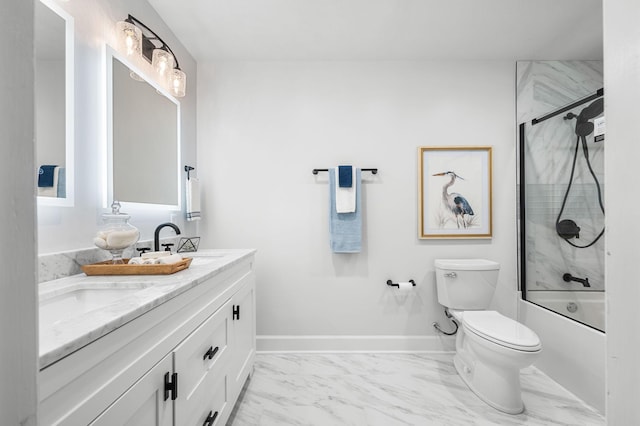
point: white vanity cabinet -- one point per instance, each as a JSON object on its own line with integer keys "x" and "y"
{"x": 182, "y": 363}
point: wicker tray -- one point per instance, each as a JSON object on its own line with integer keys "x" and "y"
{"x": 108, "y": 268}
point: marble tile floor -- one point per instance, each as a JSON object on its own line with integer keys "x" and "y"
{"x": 389, "y": 389}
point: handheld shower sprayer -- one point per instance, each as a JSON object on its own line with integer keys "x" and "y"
{"x": 566, "y": 228}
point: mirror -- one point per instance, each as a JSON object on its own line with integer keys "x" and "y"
{"x": 143, "y": 138}
{"x": 54, "y": 104}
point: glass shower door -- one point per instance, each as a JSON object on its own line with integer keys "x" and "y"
{"x": 562, "y": 211}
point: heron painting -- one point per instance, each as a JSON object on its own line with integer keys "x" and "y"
{"x": 454, "y": 202}
{"x": 453, "y": 206}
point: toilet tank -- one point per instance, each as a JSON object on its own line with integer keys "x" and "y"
{"x": 466, "y": 284}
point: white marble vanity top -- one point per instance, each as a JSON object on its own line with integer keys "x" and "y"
{"x": 141, "y": 293}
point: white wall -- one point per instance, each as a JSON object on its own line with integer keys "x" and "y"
{"x": 67, "y": 228}
{"x": 18, "y": 341}
{"x": 263, "y": 126}
{"x": 622, "y": 92}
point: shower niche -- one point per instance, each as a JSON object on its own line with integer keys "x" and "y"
{"x": 561, "y": 188}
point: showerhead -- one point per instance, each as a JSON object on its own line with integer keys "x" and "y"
{"x": 592, "y": 111}
{"x": 584, "y": 127}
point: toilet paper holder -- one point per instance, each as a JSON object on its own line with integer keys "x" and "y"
{"x": 392, "y": 284}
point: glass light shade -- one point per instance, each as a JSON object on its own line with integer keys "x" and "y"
{"x": 129, "y": 38}
{"x": 162, "y": 62}
{"x": 177, "y": 83}
{"x": 135, "y": 76}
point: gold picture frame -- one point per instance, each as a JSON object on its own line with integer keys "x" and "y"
{"x": 455, "y": 192}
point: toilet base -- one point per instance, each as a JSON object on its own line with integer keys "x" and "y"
{"x": 497, "y": 387}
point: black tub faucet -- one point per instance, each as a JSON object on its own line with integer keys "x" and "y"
{"x": 584, "y": 281}
{"x": 156, "y": 234}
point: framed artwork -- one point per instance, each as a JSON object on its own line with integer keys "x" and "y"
{"x": 454, "y": 192}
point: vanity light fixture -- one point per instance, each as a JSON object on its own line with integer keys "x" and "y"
{"x": 136, "y": 39}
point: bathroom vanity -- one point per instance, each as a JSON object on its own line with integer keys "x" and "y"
{"x": 172, "y": 349}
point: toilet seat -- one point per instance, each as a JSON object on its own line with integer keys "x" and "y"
{"x": 499, "y": 329}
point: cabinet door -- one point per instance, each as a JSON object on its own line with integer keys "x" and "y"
{"x": 199, "y": 359}
{"x": 143, "y": 404}
{"x": 243, "y": 326}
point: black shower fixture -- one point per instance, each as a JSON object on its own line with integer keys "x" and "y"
{"x": 568, "y": 229}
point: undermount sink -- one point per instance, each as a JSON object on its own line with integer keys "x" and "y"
{"x": 80, "y": 299}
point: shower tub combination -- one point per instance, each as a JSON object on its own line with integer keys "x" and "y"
{"x": 562, "y": 210}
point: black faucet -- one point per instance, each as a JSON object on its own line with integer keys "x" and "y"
{"x": 583, "y": 281}
{"x": 156, "y": 234}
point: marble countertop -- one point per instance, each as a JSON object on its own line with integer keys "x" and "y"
{"x": 59, "y": 338}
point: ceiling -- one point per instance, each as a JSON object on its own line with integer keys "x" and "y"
{"x": 386, "y": 29}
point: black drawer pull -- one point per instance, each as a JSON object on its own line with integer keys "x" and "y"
{"x": 235, "y": 313}
{"x": 210, "y": 419}
{"x": 210, "y": 353}
{"x": 170, "y": 386}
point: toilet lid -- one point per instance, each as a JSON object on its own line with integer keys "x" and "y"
{"x": 504, "y": 331}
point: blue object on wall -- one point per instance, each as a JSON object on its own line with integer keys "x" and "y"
{"x": 45, "y": 175}
{"x": 345, "y": 176}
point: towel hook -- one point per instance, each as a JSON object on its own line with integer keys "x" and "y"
{"x": 188, "y": 169}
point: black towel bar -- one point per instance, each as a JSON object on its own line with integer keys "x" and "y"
{"x": 374, "y": 171}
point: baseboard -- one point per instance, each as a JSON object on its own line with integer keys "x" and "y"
{"x": 285, "y": 343}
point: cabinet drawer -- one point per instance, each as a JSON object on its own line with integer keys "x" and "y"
{"x": 210, "y": 401}
{"x": 200, "y": 357}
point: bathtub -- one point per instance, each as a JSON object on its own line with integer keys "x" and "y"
{"x": 586, "y": 307}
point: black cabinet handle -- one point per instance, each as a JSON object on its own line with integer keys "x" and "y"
{"x": 235, "y": 312}
{"x": 170, "y": 386}
{"x": 210, "y": 353}
{"x": 210, "y": 419}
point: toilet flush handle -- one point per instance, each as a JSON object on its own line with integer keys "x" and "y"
{"x": 450, "y": 275}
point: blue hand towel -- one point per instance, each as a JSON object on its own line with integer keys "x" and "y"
{"x": 345, "y": 176}
{"x": 345, "y": 229}
{"x": 45, "y": 175}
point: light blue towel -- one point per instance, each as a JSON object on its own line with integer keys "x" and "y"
{"x": 62, "y": 183}
{"x": 345, "y": 229}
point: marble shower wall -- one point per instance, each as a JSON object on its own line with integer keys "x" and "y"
{"x": 543, "y": 87}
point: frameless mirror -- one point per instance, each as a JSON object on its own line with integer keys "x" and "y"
{"x": 54, "y": 104}
{"x": 143, "y": 138}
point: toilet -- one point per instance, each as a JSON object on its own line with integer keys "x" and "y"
{"x": 491, "y": 349}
